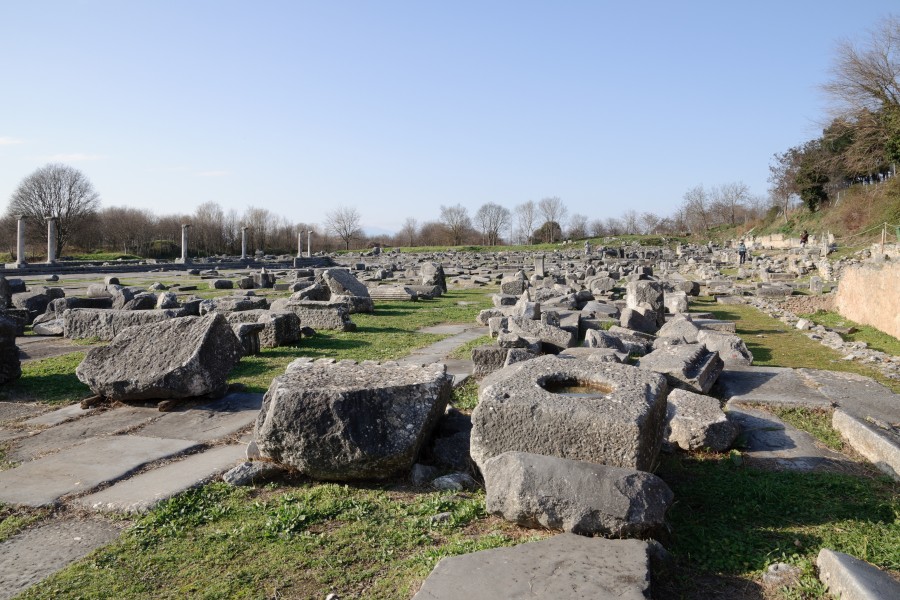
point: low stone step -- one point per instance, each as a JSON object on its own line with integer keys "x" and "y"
{"x": 850, "y": 578}
{"x": 143, "y": 492}
{"x": 36, "y": 553}
{"x": 83, "y": 467}
{"x": 880, "y": 447}
{"x": 563, "y": 566}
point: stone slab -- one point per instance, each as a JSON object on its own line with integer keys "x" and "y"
{"x": 880, "y": 447}
{"x": 850, "y": 578}
{"x": 143, "y": 492}
{"x": 36, "y": 553}
{"x": 858, "y": 395}
{"x": 764, "y": 385}
{"x": 60, "y": 415}
{"x": 773, "y": 444}
{"x": 12, "y": 411}
{"x": 212, "y": 421}
{"x": 564, "y": 566}
{"x": 43, "y": 481}
{"x": 74, "y": 432}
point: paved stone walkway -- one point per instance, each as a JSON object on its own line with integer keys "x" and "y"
{"x": 125, "y": 459}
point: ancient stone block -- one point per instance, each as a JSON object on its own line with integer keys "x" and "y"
{"x": 688, "y": 366}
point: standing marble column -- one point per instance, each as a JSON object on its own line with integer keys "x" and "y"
{"x": 299, "y": 244}
{"x": 184, "y": 244}
{"x": 20, "y": 241}
{"x": 309, "y": 244}
{"x": 244, "y": 243}
{"x": 51, "y": 240}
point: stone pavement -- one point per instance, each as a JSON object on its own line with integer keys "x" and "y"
{"x": 125, "y": 459}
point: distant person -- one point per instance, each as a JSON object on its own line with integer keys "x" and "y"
{"x": 804, "y": 237}
{"x": 742, "y": 252}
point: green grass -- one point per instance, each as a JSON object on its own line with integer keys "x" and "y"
{"x": 288, "y": 540}
{"x": 732, "y": 520}
{"x": 875, "y": 338}
{"x": 815, "y": 421}
{"x": 776, "y": 344}
{"x": 464, "y": 352}
{"x": 465, "y": 397}
{"x": 15, "y": 519}
{"x": 51, "y": 380}
{"x": 104, "y": 256}
{"x": 387, "y": 334}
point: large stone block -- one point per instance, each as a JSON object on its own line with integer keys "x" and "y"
{"x": 553, "y": 338}
{"x": 649, "y": 294}
{"x": 688, "y": 366}
{"x": 176, "y": 358}
{"x": 321, "y": 315}
{"x": 488, "y": 359}
{"x": 694, "y": 421}
{"x": 605, "y": 413}
{"x": 575, "y": 496}
{"x": 343, "y": 284}
{"x": 731, "y": 348}
{"x": 433, "y": 274}
{"x": 344, "y": 421}
{"x": 84, "y": 323}
{"x": 10, "y": 366}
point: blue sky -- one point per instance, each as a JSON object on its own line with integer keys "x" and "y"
{"x": 396, "y": 108}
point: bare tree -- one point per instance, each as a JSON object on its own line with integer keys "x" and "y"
{"x": 630, "y": 221}
{"x": 58, "y": 191}
{"x": 650, "y": 222}
{"x": 578, "y": 227}
{"x": 729, "y": 201}
{"x": 344, "y": 223}
{"x": 597, "y": 228}
{"x": 614, "y": 226}
{"x": 408, "y": 231}
{"x": 696, "y": 208}
{"x": 491, "y": 219}
{"x": 868, "y": 77}
{"x": 456, "y": 220}
{"x": 553, "y": 211}
{"x": 526, "y": 215}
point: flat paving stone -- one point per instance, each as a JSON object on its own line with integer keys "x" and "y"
{"x": 208, "y": 422}
{"x": 36, "y": 347}
{"x": 768, "y": 385}
{"x": 12, "y": 411}
{"x": 564, "y": 566}
{"x": 144, "y": 491}
{"x": 36, "y": 553}
{"x": 773, "y": 444}
{"x": 857, "y": 395}
{"x": 71, "y": 433}
{"x": 83, "y": 467}
{"x": 60, "y": 415}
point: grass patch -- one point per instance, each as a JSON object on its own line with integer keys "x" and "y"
{"x": 51, "y": 380}
{"x": 387, "y": 334}
{"x": 874, "y": 338}
{"x": 464, "y": 352}
{"x": 731, "y": 520}
{"x": 105, "y": 256}
{"x": 465, "y": 397}
{"x": 776, "y": 344}
{"x": 816, "y": 421}
{"x": 291, "y": 540}
{"x": 13, "y": 520}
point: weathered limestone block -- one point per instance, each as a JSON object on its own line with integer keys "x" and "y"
{"x": 10, "y": 366}
{"x": 228, "y": 304}
{"x": 679, "y": 327}
{"x": 575, "y": 496}
{"x": 513, "y": 287}
{"x": 58, "y": 307}
{"x": 355, "y": 304}
{"x": 525, "y": 408}
{"x": 342, "y": 283}
{"x": 688, "y": 366}
{"x": 488, "y": 359}
{"x": 488, "y": 313}
{"x": 433, "y": 274}
{"x": 640, "y": 318}
{"x": 36, "y": 301}
{"x": 694, "y": 422}
{"x": 676, "y": 302}
{"x": 553, "y": 338}
{"x": 322, "y": 315}
{"x": 731, "y": 348}
{"x": 392, "y": 292}
{"x": 176, "y": 358}
{"x": 221, "y": 284}
{"x": 83, "y": 323}
{"x": 343, "y": 421}
{"x": 649, "y": 294}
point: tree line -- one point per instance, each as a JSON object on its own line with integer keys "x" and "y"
{"x": 860, "y": 143}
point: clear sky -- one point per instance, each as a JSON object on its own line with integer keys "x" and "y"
{"x": 396, "y": 108}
